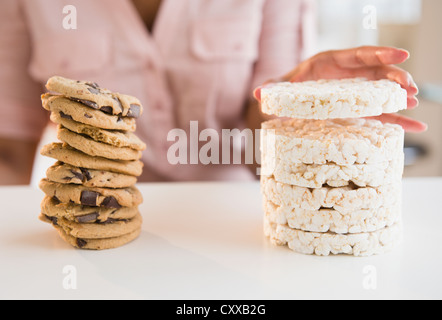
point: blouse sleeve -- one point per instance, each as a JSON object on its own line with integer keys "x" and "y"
{"x": 21, "y": 114}
{"x": 287, "y": 38}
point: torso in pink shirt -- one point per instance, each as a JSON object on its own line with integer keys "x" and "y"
{"x": 199, "y": 65}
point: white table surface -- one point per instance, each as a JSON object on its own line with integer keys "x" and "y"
{"x": 205, "y": 241}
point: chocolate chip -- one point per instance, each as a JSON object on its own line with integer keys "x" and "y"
{"x": 93, "y": 85}
{"x": 65, "y": 116}
{"x": 53, "y": 220}
{"x": 106, "y": 109}
{"x": 86, "y": 174}
{"x": 89, "y": 198}
{"x": 55, "y": 199}
{"x": 111, "y": 220}
{"x": 87, "y": 115}
{"x": 134, "y": 111}
{"x": 94, "y": 90}
{"x": 81, "y": 243}
{"x": 88, "y": 103}
{"x": 110, "y": 202}
{"x": 77, "y": 175}
{"x": 88, "y": 217}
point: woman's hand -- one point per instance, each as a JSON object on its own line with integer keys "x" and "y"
{"x": 373, "y": 63}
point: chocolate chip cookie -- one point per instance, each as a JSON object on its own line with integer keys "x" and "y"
{"x": 96, "y": 149}
{"x": 92, "y": 197}
{"x": 112, "y": 137}
{"x": 98, "y": 244}
{"x": 92, "y": 95}
{"x": 65, "y": 173}
{"x": 53, "y": 208}
{"x": 97, "y": 230}
{"x": 96, "y": 236}
{"x": 69, "y": 155}
{"x": 79, "y": 112}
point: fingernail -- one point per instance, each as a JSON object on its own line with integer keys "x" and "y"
{"x": 414, "y": 85}
{"x": 257, "y": 93}
{"x": 412, "y": 89}
{"x": 405, "y": 52}
{"x": 412, "y": 103}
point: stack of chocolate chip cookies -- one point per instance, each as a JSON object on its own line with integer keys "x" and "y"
{"x": 91, "y": 197}
{"x": 331, "y": 179}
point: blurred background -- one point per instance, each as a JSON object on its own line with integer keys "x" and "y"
{"x": 414, "y": 25}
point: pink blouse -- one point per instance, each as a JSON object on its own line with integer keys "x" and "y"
{"x": 201, "y": 64}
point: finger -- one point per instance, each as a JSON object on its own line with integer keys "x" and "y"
{"x": 257, "y": 91}
{"x": 389, "y": 72}
{"x": 412, "y": 102}
{"x": 409, "y": 124}
{"x": 412, "y": 84}
{"x": 340, "y": 63}
{"x": 368, "y": 56}
{"x": 257, "y": 94}
{"x": 404, "y": 79}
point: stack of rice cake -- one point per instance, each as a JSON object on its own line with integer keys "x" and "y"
{"x": 332, "y": 180}
{"x": 91, "y": 197}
